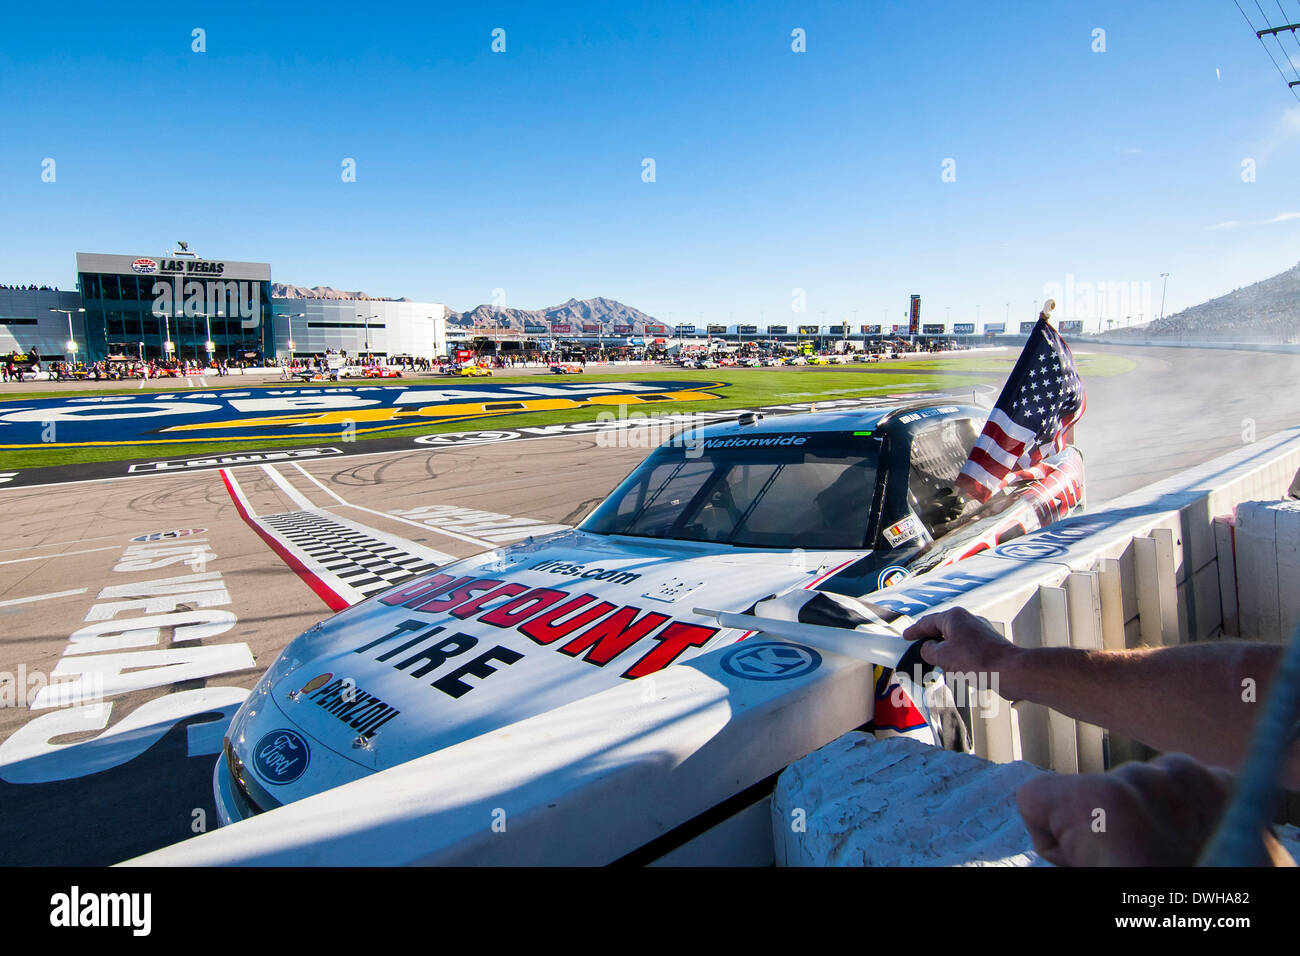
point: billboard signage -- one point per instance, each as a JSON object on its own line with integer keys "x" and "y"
{"x": 995, "y": 328}
{"x": 717, "y": 330}
{"x": 685, "y": 330}
{"x": 171, "y": 266}
{"x": 534, "y": 329}
{"x": 591, "y": 327}
{"x": 871, "y": 330}
{"x": 914, "y": 316}
{"x": 839, "y": 330}
{"x": 778, "y": 330}
{"x": 932, "y": 328}
{"x": 1072, "y": 326}
{"x": 747, "y": 329}
{"x": 963, "y": 328}
{"x": 1027, "y": 327}
{"x": 622, "y": 329}
{"x": 561, "y": 328}
{"x": 808, "y": 329}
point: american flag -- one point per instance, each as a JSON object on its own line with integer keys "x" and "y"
{"x": 1041, "y": 401}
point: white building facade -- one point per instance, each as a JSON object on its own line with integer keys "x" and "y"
{"x": 385, "y": 330}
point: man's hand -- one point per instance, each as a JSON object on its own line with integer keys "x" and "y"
{"x": 966, "y": 643}
{"x": 1160, "y": 813}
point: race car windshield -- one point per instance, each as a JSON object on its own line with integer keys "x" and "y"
{"x": 765, "y": 491}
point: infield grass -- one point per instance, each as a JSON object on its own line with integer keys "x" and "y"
{"x": 744, "y": 388}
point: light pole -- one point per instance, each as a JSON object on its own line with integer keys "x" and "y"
{"x": 291, "y": 316}
{"x": 167, "y": 338}
{"x": 208, "y": 345}
{"x": 72, "y": 341}
{"x": 1164, "y": 286}
{"x": 367, "y": 319}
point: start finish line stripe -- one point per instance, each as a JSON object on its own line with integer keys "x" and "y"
{"x": 333, "y": 600}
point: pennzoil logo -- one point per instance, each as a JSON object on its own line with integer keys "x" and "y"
{"x": 343, "y": 700}
{"x": 144, "y": 266}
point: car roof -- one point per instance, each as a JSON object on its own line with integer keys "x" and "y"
{"x": 901, "y": 419}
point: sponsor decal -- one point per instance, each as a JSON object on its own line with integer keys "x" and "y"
{"x": 890, "y": 576}
{"x": 281, "y": 756}
{"x": 169, "y": 535}
{"x": 144, "y": 266}
{"x": 578, "y": 625}
{"x": 347, "y": 703}
{"x": 274, "y": 412}
{"x": 904, "y": 531}
{"x": 315, "y": 683}
{"x": 770, "y": 660}
{"x": 763, "y": 441}
{"x": 581, "y": 571}
{"x": 1030, "y": 550}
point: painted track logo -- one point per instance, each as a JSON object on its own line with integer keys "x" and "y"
{"x": 329, "y": 412}
{"x": 145, "y": 266}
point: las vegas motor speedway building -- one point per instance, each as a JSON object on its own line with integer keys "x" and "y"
{"x": 176, "y": 304}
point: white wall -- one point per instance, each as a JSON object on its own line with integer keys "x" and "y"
{"x": 401, "y": 328}
{"x": 50, "y": 332}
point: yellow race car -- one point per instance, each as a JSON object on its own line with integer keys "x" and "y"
{"x": 471, "y": 371}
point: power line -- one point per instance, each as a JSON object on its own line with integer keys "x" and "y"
{"x": 1275, "y": 32}
{"x": 1280, "y": 72}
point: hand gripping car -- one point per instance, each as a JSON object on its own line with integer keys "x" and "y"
{"x": 723, "y": 517}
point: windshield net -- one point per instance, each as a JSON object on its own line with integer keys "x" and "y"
{"x": 765, "y": 491}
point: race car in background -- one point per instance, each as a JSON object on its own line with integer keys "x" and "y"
{"x": 567, "y": 368}
{"x": 468, "y": 371}
{"x": 725, "y": 516}
{"x": 382, "y": 371}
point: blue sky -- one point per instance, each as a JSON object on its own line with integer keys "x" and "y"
{"x": 775, "y": 170}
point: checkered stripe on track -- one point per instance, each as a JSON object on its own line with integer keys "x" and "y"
{"x": 363, "y": 562}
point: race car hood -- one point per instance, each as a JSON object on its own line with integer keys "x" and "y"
{"x": 494, "y": 639}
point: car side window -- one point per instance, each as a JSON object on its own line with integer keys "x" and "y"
{"x": 938, "y": 452}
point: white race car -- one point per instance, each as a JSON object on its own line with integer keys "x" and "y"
{"x": 844, "y": 502}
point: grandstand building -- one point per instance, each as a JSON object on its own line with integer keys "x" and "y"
{"x": 184, "y": 307}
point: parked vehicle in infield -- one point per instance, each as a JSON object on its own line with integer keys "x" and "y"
{"x": 567, "y": 368}
{"x": 469, "y": 371}
{"x": 846, "y": 502}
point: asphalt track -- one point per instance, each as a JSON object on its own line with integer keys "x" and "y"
{"x": 271, "y": 547}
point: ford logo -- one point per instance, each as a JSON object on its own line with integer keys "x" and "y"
{"x": 145, "y": 266}
{"x": 281, "y": 756}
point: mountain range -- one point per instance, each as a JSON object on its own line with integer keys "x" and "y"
{"x": 575, "y": 312}
{"x": 281, "y": 290}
